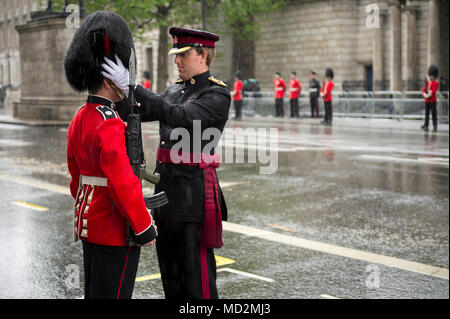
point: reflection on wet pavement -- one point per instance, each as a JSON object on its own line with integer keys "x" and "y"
{"x": 378, "y": 191}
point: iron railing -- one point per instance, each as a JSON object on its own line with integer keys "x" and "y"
{"x": 371, "y": 104}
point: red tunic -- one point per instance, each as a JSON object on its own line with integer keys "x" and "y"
{"x": 147, "y": 84}
{"x": 433, "y": 86}
{"x": 280, "y": 87}
{"x": 294, "y": 89}
{"x": 96, "y": 147}
{"x": 326, "y": 89}
{"x": 238, "y": 86}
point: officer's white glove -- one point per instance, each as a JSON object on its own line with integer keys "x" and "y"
{"x": 117, "y": 73}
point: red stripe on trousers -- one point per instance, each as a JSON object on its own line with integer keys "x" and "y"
{"x": 123, "y": 272}
{"x": 204, "y": 269}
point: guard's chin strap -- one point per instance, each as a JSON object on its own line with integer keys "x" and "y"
{"x": 118, "y": 91}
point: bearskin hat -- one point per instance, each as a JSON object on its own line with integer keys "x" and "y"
{"x": 329, "y": 72}
{"x": 433, "y": 70}
{"x": 102, "y": 33}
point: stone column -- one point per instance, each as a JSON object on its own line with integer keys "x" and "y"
{"x": 377, "y": 57}
{"x": 433, "y": 32}
{"x": 410, "y": 52}
{"x": 45, "y": 92}
{"x": 396, "y": 45}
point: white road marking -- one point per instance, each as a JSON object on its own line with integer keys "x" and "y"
{"x": 244, "y": 273}
{"x": 284, "y": 239}
{"x": 421, "y": 160}
{"x": 339, "y": 250}
{"x": 35, "y": 183}
{"x": 328, "y": 296}
{"x": 282, "y": 227}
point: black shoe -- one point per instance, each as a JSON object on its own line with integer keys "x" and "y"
{"x": 425, "y": 128}
{"x": 435, "y": 130}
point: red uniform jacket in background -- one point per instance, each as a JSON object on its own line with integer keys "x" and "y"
{"x": 238, "y": 86}
{"x": 96, "y": 147}
{"x": 280, "y": 87}
{"x": 147, "y": 84}
{"x": 295, "y": 88}
{"x": 326, "y": 89}
{"x": 433, "y": 86}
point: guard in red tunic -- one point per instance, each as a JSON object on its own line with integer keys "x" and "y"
{"x": 108, "y": 196}
{"x": 429, "y": 94}
{"x": 146, "y": 83}
{"x": 326, "y": 94}
{"x": 192, "y": 114}
{"x": 237, "y": 95}
{"x": 280, "y": 88}
{"x": 295, "y": 89}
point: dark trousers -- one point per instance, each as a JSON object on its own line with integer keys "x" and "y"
{"x": 109, "y": 271}
{"x": 314, "y": 102}
{"x": 279, "y": 108}
{"x": 294, "y": 108}
{"x": 188, "y": 270}
{"x": 431, "y": 107}
{"x": 238, "y": 109}
{"x": 328, "y": 112}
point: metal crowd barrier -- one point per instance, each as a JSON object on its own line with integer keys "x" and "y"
{"x": 370, "y": 104}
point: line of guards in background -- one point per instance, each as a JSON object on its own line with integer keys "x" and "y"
{"x": 431, "y": 86}
{"x": 295, "y": 88}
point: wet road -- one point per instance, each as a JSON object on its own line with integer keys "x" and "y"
{"x": 350, "y": 212}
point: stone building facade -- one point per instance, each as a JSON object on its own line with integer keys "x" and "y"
{"x": 304, "y": 35}
{"x": 12, "y": 13}
{"x": 342, "y": 34}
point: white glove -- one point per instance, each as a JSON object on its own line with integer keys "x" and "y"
{"x": 117, "y": 73}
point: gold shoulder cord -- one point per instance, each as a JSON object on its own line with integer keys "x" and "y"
{"x": 213, "y": 79}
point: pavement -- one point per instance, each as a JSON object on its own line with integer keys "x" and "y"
{"x": 353, "y": 211}
{"x": 351, "y": 122}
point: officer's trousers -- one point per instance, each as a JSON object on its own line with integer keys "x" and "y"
{"x": 314, "y": 102}
{"x": 109, "y": 271}
{"x": 431, "y": 107}
{"x": 188, "y": 270}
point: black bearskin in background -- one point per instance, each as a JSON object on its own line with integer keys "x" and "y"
{"x": 102, "y": 33}
{"x": 329, "y": 72}
{"x": 433, "y": 70}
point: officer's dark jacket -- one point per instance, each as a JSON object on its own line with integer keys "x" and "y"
{"x": 314, "y": 84}
{"x": 207, "y": 100}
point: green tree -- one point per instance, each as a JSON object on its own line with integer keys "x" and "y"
{"x": 143, "y": 15}
{"x": 239, "y": 17}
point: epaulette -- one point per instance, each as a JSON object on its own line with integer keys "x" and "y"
{"x": 179, "y": 81}
{"x": 213, "y": 79}
{"x": 107, "y": 112}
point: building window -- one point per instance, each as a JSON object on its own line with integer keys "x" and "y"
{"x": 368, "y": 77}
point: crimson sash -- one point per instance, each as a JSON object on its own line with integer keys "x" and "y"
{"x": 211, "y": 236}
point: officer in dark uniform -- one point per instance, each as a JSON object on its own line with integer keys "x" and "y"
{"x": 108, "y": 196}
{"x": 190, "y": 226}
{"x": 314, "y": 91}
